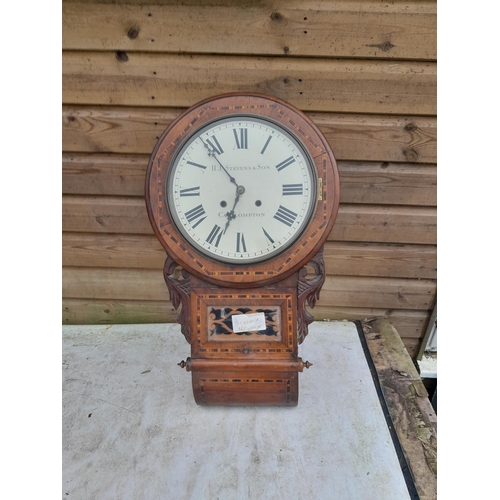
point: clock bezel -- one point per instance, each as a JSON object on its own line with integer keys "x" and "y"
{"x": 321, "y": 219}
{"x": 306, "y": 219}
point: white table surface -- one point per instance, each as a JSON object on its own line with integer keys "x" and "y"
{"x": 131, "y": 428}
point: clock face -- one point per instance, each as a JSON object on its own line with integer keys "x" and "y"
{"x": 241, "y": 189}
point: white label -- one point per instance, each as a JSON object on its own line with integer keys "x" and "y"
{"x": 249, "y": 322}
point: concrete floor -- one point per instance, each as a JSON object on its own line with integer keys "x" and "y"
{"x": 131, "y": 428}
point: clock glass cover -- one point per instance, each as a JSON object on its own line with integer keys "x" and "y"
{"x": 241, "y": 189}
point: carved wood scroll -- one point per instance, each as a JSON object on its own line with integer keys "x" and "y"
{"x": 308, "y": 292}
{"x": 180, "y": 293}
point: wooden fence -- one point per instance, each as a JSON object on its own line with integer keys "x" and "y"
{"x": 364, "y": 71}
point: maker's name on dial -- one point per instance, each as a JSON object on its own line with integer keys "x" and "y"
{"x": 243, "y": 167}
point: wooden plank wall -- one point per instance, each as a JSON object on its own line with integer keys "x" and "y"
{"x": 364, "y": 71}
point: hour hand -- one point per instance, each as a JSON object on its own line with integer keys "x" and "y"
{"x": 231, "y": 215}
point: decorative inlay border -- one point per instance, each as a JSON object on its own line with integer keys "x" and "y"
{"x": 282, "y": 343}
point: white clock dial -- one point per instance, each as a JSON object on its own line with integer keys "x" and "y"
{"x": 241, "y": 189}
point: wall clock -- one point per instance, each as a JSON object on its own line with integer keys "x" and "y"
{"x": 242, "y": 191}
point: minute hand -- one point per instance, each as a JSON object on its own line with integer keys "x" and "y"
{"x": 213, "y": 155}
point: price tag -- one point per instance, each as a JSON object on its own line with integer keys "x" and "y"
{"x": 249, "y": 322}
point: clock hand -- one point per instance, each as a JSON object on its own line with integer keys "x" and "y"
{"x": 231, "y": 215}
{"x": 239, "y": 189}
{"x": 213, "y": 155}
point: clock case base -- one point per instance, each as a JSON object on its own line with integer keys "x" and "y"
{"x": 247, "y": 388}
{"x": 245, "y": 368}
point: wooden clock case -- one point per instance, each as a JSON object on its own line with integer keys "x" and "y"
{"x": 250, "y": 368}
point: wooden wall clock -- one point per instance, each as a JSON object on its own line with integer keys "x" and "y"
{"x": 242, "y": 191}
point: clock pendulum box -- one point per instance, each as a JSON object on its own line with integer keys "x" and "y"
{"x": 242, "y": 191}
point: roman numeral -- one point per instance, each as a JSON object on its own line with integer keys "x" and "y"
{"x": 285, "y": 163}
{"x": 240, "y": 243}
{"x": 196, "y": 165}
{"x": 194, "y": 213}
{"x": 291, "y": 189}
{"x": 266, "y": 144}
{"x": 267, "y": 236}
{"x": 242, "y": 140}
{"x": 214, "y": 233}
{"x": 194, "y": 191}
{"x": 216, "y": 148}
{"x": 285, "y": 216}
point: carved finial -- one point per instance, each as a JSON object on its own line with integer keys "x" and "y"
{"x": 182, "y": 364}
{"x": 307, "y": 364}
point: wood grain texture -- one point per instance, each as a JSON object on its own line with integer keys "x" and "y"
{"x": 364, "y": 223}
{"x": 411, "y": 345}
{"x": 378, "y": 223}
{"x": 114, "y": 130}
{"x": 112, "y": 284}
{"x": 290, "y": 28}
{"x": 411, "y": 411}
{"x": 105, "y": 214}
{"x": 362, "y": 137}
{"x": 387, "y": 260}
{"x": 413, "y": 323}
{"x": 112, "y": 250}
{"x": 388, "y": 183}
{"x": 393, "y": 293}
{"x": 348, "y": 259}
{"x": 361, "y": 182}
{"x": 111, "y": 174}
{"x": 147, "y": 79}
{"x": 338, "y": 291}
{"x": 108, "y": 312}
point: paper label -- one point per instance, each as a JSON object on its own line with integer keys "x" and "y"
{"x": 249, "y": 322}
